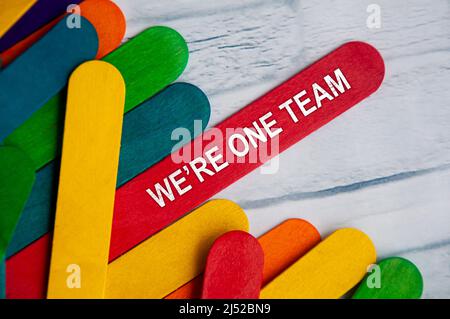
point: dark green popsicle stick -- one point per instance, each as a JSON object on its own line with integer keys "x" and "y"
{"x": 148, "y": 63}
{"x": 16, "y": 180}
{"x": 400, "y": 279}
{"x": 146, "y": 139}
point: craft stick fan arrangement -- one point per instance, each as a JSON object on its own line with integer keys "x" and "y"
{"x": 98, "y": 200}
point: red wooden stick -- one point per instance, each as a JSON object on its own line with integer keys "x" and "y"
{"x": 137, "y": 215}
{"x": 27, "y": 271}
{"x": 234, "y": 267}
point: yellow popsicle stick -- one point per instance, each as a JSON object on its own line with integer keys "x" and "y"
{"x": 329, "y": 270}
{"x": 87, "y": 183}
{"x": 11, "y": 11}
{"x": 175, "y": 255}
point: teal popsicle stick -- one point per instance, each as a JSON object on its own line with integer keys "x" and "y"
{"x": 42, "y": 71}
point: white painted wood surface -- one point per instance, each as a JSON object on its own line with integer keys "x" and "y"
{"x": 384, "y": 166}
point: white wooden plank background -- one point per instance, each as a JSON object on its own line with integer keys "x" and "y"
{"x": 384, "y": 166}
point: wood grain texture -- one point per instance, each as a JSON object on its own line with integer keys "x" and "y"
{"x": 234, "y": 267}
{"x": 39, "y": 14}
{"x": 384, "y": 146}
{"x": 17, "y": 178}
{"x": 175, "y": 255}
{"x": 146, "y": 138}
{"x": 250, "y": 45}
{"x": 355, "y": 209}
{"x": 137, "y": 216}
{"x": 148, "y": 63}
{"x": 104, "y": 15}
{"x": 282, "y": 246}
{"x": 329, "y": 270}
{"x": 399, "y": 279}
{"x": 430, "y": 260}
{"x": 11, "y": 11}
{"x": 24, "y": 88}
{"x": 87, "y": 181}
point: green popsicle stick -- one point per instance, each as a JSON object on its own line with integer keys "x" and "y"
{"x": 16, "y": 180}
{"x": 399, "y": 279}
{"x": 148, "y": 63}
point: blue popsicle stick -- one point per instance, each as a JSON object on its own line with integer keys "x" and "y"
{"x": 42, "y": 71}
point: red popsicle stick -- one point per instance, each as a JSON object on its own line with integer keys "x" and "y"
{"x": 137, "y": 215}
{"x": 282, "y": 246}
{"x": 234, "y": 267}
{"x": 27, "y": 271}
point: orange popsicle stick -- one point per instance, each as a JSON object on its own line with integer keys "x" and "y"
{"x": 285, "y": 244}
{"x": 282, "y": 246}
{"x": 105, "y": 16}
